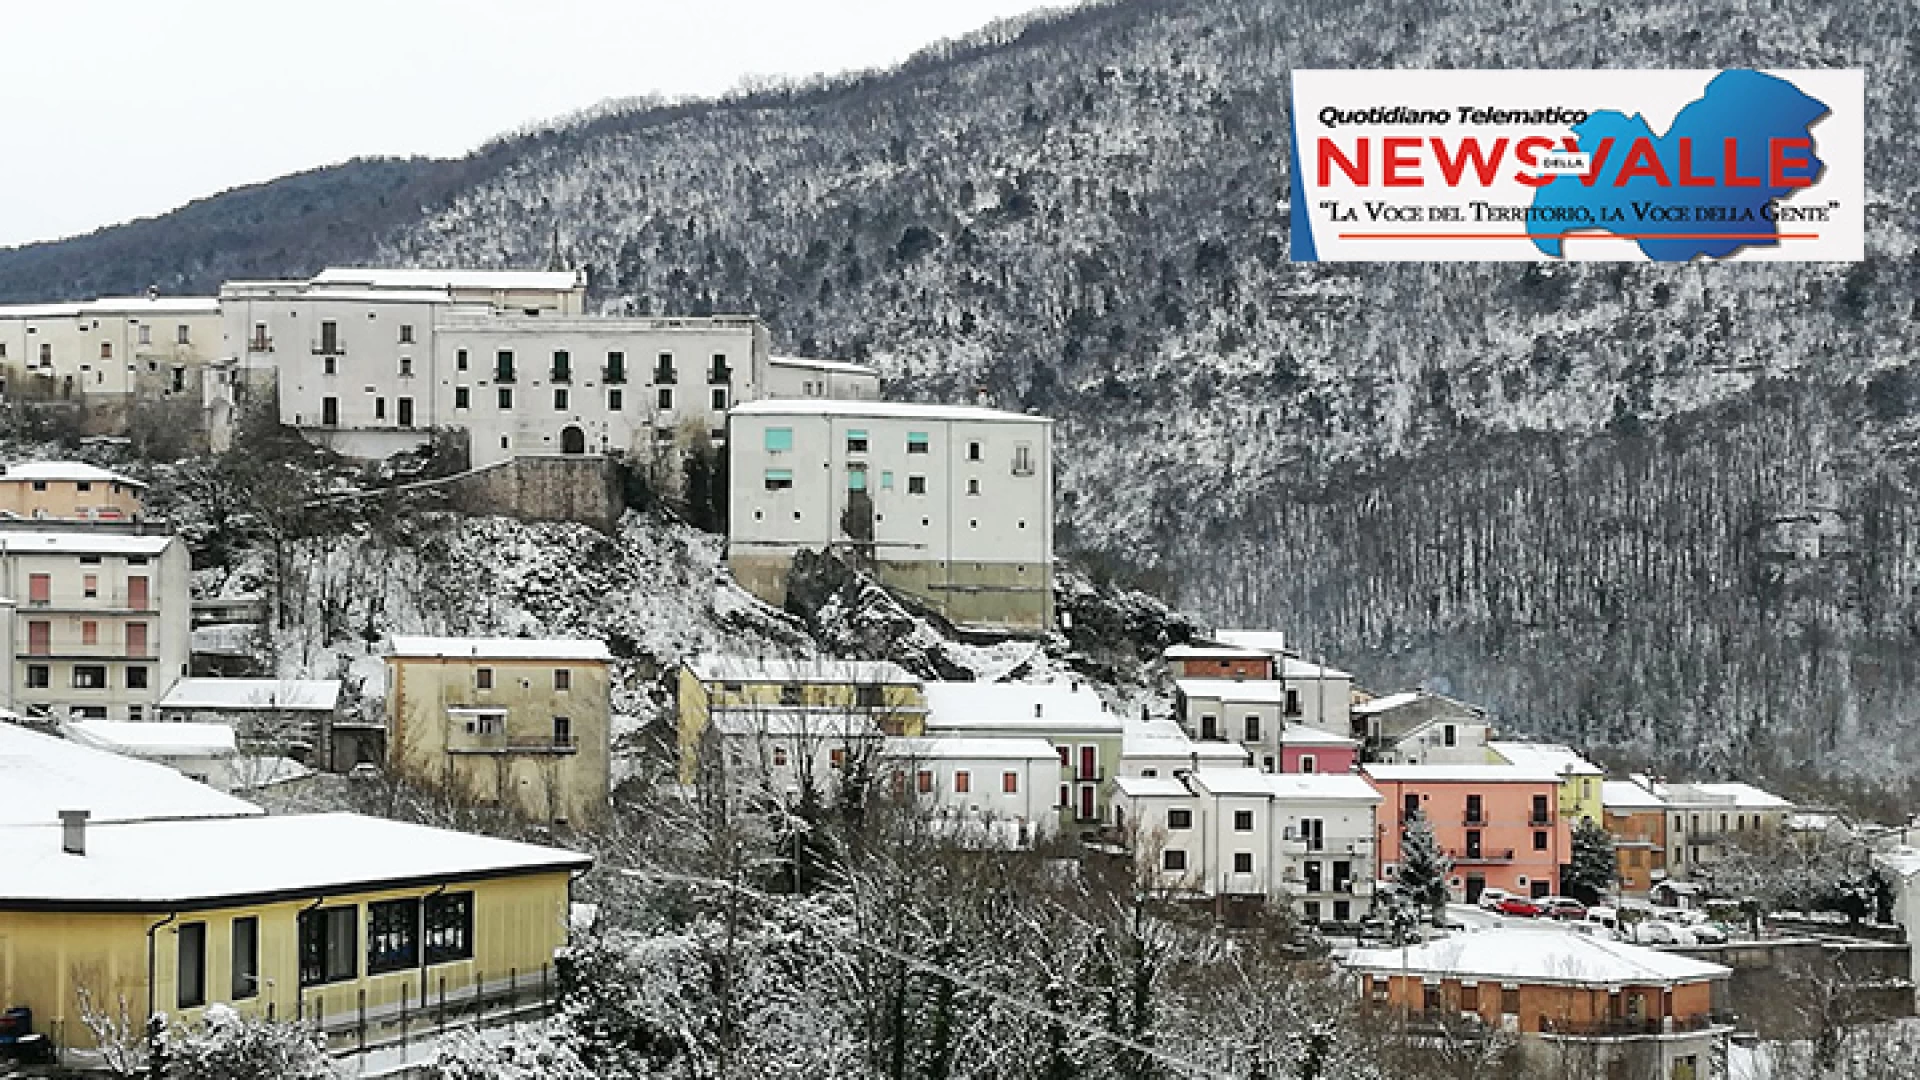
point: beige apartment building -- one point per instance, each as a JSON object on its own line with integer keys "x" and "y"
{"x": 100, "y": 621}
{"x": 105, "y": 354}
{"x": 517, "y": 722}
{"x": 69, "y": 491}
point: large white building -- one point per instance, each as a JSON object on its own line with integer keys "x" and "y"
{"x": 1085, "y": 736}
{"x": 951, "y": 504}
{"x": 369, "y": 362}
{"x": 1240, "y": 835}
{"x": 104, "y": 354}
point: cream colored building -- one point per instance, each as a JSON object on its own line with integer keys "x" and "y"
{"x": 104, "y": 353}
{"x": 809, "y": 707}
{"x": 69, "y": 491}
{"x": 102, "y": 620}
{"x": 504, "y": 721}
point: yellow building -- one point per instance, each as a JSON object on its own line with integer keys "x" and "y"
{"x": 69, "y": 491}
{"x": 1580, "y": 779}
{"x": 879, "y": 690}
{"x": 520, "y": 722}
{"x": 357, "y": 924}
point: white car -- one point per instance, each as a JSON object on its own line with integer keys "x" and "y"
{"x": 1660, "y": 932}
{"x": 1490, "y": 898}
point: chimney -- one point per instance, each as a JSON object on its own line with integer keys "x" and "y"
{"x": 153, "y": 292}
{"x": 73, "y": 831}
{"x": 1038, "y": 708}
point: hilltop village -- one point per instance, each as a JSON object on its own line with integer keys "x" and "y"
{"x": 156, "y": 847}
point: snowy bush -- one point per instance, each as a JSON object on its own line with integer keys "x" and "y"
{"x": 230, "y": 1046}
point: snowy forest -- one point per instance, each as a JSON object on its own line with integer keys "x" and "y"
{"x": 1666, "y": 511}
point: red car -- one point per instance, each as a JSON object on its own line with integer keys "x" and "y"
{"x": 1520, "y": 905}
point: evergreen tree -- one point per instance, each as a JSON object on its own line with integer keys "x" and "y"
{"x": 1590, "y": 870}
{"x": 1423, "y": 866}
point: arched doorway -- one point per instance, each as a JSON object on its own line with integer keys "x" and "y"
{"x": 573, "y": 440}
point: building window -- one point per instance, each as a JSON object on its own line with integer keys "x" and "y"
{"x": 106, "y": 350}
{"x": 923, "y": 782}
{"x": 180, "y": 335}
{"x": 1539, "y": 840}
{"x": 560, "y": 399}
{"x": 973, "y": 451}
{"x": 886, "y": 480}
{"x": 836, "y": 759}
{"x": 663, "y": 369}
{"x": 1023, "y": 459}
{"x": 89, "y": 631}
{"x": 665, "y": 396}
{"x": 328, "y": 367}
{"x": 505, "y": 395}
{"x": 89, "y": 677}
{"x": 856, "y": 441}
{"x": 562, "y": 366}
{"x": 1540, "y": 815}
{"x": 779, "y": 757}
{"x": 246, "y": 957}
{"x": 1243, "y": 821}
{"x": 1308, "y": 764}
{"x": 136, "y": 678}
{"x": 1510, "y": 1000}
{"x": 916, "y": 485}
{"x": 192, "y": 968}
{"x": 1173, "y": 860}
{"x": 461, "y": 398}
{"x": 449, "y": 923}
{"x": 1243, "y": 862}
{"x": 460, "y": 360}
{"x": 856, "y": 478}
{"x": 39, "y": 588}
{"x": 37, "y": 676}
{"x": 779, "y": 479}
{"x": 483, "y": 678}
{"x": 503, "y": 366}
{"x": 1179, "y": 817}
{"x": 146, "y": 335}
{"x": 90, "y": 586}
{"x": 329, "y": 945}
{"x": 563, "y": 679}
{"x": 973, "y": 485}
{"x": 1253, "y": 729}
{"x": 792, "y": 694}
{"x": 962, "y": 782}
{"x": 616, "y": 400}
{"x": 393, "y": 942}
{"x": 379, "y": 408}
{"x": 616, "y": 367}
{"x": 916, "y": 442}
{"x": 779, "y": 440}
{"x": 329, "y": 412}
{"x": 719, "y": 399}
{"x": 1010, "y": 783}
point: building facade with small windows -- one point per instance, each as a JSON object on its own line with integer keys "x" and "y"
{"x": 748, "y": 690}
{"x": 806, "y": 377}
{"x": 1418, "y": 727}
{"x": 1636, "y": 818}
{"x": 1580, "y": 1006}
{"x": 1580, "y": 779}
{"x": 1240, "y": 836}
{"x": 1256, "y": 713}
{"x": 517, "y": 722}
{"x": 69, "y": 491}
{"x": 1500, "y": 824}
{"x": 1087, "y": 738}
{"x": 1704, "y": 819}
{"x": 352, "y": 924}
{"x": 983, "y": 792}
{"x": 102, "y": 621}
{"x": 950, "y": 504}
{"x": 107, "y": 356}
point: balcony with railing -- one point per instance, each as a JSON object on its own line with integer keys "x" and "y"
{"x": 664, "y": 374}
{"x": 1481, "y": 855}
{"x": 720, "y": 373}
{"x": 463, "y": 742}
{"x": 1631, "y": 1026}
{"x": 260, "y": 343}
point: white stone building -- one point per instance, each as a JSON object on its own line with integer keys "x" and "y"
{"x": 100, "y": 624}
{"x": 952, "y": 504}
{"x": 806, "y": 377}
{"x": 1246, "y": 836}
{"x": 1417, "y": 727}
{"x": 985, "y": 792}
{"x": 1161, "y": 748}
{"x": 1085, "y": 736}
{"x": 105, "y": 353}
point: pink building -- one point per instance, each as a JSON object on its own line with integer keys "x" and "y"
{"x": 1500, "y": 824}
{"x": 1310, "y": 750}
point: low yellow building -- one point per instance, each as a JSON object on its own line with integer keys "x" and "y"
{"x": 1580, "y": 779}
{"x": 359, "y": 925}
{"x": 879, "y": 690}
{"x": 520, "y": 722}
{"x": 69, "y": 491}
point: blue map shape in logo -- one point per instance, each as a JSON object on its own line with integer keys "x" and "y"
{"x": 1704, "y": 220}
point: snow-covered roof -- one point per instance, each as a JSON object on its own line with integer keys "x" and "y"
{"x": 1272, "y": 642}
{"x": 1388, "y": 703}
{"x": 1538, "y": 955}
{"x": 64, "y": 471}
{"x": 1195, "y": 651}
{"x": 1625, "y": 794}
{"x": 1257, "y": 691}
{"x": 1302, "y": 735}
{"x": 503, "y": 648}
{"x": 41, "y": 775}
{"x": 156, "y": 864}
{"x": 240, "y": 695}
{"x": 152, "y": 738}
{"x": 511, "y": 280}
{"x": 791, "y": 723}
{"x": 1741, "y": 795}
{"x": 948, "y": 747}
{"x": 1552, "y": 757}
{"x": 1480, "y": 774}
{"x": 1293, "y": 667}
{"x": 1245, "y": 782}
{"x": 809, "y": 363}
{"x": 1009, "y": 707}
{"x": 1148, "y": 787}
{"x": 881, "y": 410}
{"x": 115, "y": 305}
{"x": 718, "y": 668}
{"x": 81, "y": 542}
{"x": 1903, "y": 862}
{"x": 1136, "y": 746}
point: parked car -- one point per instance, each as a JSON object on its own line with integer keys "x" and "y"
{"x": 1490, "y": 898}
{"x": 1520, "y": 905}
{"x": 1563, "y": 907}
{"x": 1661, "y": 932}
{"x": 1605, "y": 916}
{"x": 1708, "y": 933}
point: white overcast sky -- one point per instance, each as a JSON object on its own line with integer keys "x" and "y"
{"x": 128, "y": 108}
